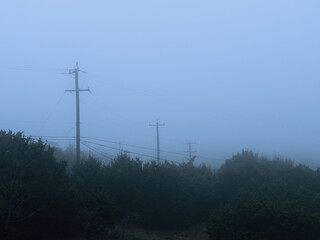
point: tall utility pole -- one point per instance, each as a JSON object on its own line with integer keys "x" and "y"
{"x": 77, "y": 90}
{"x": 190, "y": 149}
{"x": 157, "y": 125}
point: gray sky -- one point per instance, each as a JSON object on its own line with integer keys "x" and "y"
{"x": 230, "y": 75}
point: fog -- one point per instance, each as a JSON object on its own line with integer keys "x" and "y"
{"x": 229, "y": 75}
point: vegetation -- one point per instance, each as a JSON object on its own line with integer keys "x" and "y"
{"x": 249, "y": 197}
{"x": 33, "y": 189}
{"x": 263, "y": 199}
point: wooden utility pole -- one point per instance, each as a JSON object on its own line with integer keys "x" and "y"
{"x": 158, "y": 144}
{"x": 77, "y": 90}
{"x": 190, "y": 150}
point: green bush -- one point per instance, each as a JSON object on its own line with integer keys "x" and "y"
{"x": 260, "y": 219}
{"x": 33, "y": 186}
{"x": 257, "y": 198}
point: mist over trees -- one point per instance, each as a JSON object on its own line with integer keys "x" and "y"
{"x": 248, "y": 197}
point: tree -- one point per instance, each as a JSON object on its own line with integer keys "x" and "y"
{"x": 32, "y": 188}
{"x": 96, "y": 211}
{"x": 258, "y": 198}
{"x": 254, "y": 219}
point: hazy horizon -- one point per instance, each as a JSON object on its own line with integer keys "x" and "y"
{"x": 228, "y": 75}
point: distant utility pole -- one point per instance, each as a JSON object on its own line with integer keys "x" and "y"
{"x": 190, "y": 150}
{"x": 158, "y": 145}
{"x": 77, "y": 90}
{"x": 120, "y": 148}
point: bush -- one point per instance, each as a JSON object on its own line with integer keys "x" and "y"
{"x": 260, "y": 219}
{"x": 258, "y": 198}
{"x": 33, "y": 187}
{"x": 96, "y": 212}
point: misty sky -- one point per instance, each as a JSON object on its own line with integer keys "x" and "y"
{"x": 230, "y": 75}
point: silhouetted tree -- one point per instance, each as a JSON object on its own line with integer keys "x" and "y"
{"x": 266, "y": 199}
{"x": 32, "y": 186}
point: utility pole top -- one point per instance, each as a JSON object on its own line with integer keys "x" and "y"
{"x": 157, "y": 124}
{"x": 75, "y": 70}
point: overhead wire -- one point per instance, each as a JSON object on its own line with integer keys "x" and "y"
{"x": 67, "y": 138}
{"x": 136, "y": 146}
{"x": 52, "y": 111}
{"x": 105, "y": 106}
{"x": 117, "y": 84}
{"x": 54, "y": 137}
{"x": 115, "y": 148}
{"x": 140, "y": 154}
{"x": 104, "y": 154}
{"x": 144, "y": 93}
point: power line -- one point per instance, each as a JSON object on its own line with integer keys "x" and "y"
{"x": 104, "y": 154}
{"x": 119, "y": 85}
{"x": 54, "y": 137}
{"x": 112, "y": 142}
{"x": 116, "y": 147}
{"x": 102, "y": 145}
{"x": 104, "y": 105}
{"x": 135, "y": 146}
{"x": 136, "y": 153}
{"x": 53, "y": 109}
{"x": 137, "y": 91}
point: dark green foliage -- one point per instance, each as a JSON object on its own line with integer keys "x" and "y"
{"x": 249, "y": 197}
{"x": 38, "y": 200}
{"x": 261, "y": 219}
{"x": 96, "y": 211}
{"x": 263, "y": 199}
{"x": 32, "y": 186}
{"x": 123, "y": 179}
{"x": 165, "y": 196}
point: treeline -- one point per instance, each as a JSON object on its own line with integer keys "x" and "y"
{"x": 249, "y": 197}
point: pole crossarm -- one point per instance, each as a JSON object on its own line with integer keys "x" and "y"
{"x": 79, "y": 90}
{"x": 154, "y": 125}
